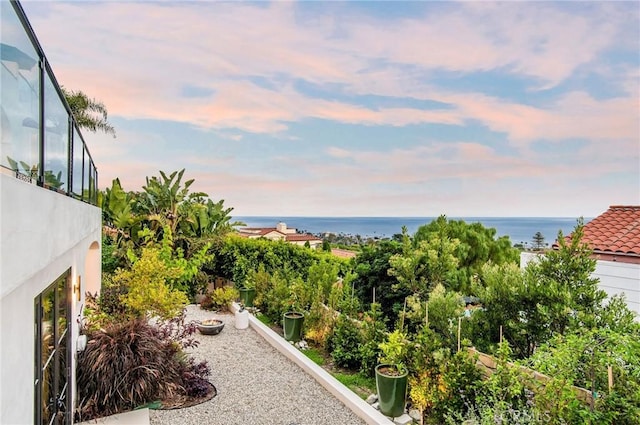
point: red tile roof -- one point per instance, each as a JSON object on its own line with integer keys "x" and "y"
{"x": 617, "y": 231}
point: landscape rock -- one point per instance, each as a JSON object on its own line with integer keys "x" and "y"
{"x": 372, "y": 398}
{"x": 415, "y": 414}
{"x": 403, "y": 420}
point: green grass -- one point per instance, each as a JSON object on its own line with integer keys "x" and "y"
{"x": 264, "y": 319}
{"x": 357, "y": 383}
{"x": 315, "y": 356}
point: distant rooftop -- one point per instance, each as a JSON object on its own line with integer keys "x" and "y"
{"x": 280, "y": 232}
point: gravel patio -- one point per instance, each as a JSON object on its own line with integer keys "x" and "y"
{"x": 255, "y": 383}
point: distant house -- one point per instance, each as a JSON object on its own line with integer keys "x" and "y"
{"x": 280, "y": 233}
{"x": 614, "y": 237}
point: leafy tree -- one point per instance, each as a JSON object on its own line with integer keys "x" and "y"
{"x": 345, "y": 343}
{"x": 162, "y": 197}
{"x": 445, "y": 307}
{"x": 552, "y": 295}
{"x": 373, "y": 333}
{"x": 538, "y": 241}
{"x": 371, "y": 266}
{"x": 201, "y": 217}
{"x": 527, "y": 308}
{"x": 326, "y": 245}
{"x": 475, "y": 246}
{"x": 570, "y": 268}
{"x": 88, "y": 113}
{"x": 582, "y": 359}
{"x": 149, "y": 292}
{"x": 118, "y": 214}
{"x": 430, "y": 263}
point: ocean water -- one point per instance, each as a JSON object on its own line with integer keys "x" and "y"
{"x": 519, "y": 229}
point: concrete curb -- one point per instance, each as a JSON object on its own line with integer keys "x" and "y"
{"x": 357, "y": 405}
{"x": 134, "y": 417}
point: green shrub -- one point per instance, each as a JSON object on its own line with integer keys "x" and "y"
{"x": 274, "y": 301}
{"x": 345, "y": 343}
{"x": 461, "y": 382}
{"x": 394, "y": 349}
{"x": 149, "y": 293}
{"x": 373, "y": 333}
{"x": 110, "y": 261}
{"x": 319, "y": 324}
{"x": 220, "y": 299}
{"x": 110, "y": 297}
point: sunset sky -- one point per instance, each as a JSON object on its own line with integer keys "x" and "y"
{"x": 363, "y": 108}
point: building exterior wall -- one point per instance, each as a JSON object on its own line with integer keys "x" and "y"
{"x": 42, "y": 235}
{"x": 274, "y": 236}
{"x": 615, "y": 278}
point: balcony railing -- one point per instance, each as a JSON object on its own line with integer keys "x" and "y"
{"x": 40, "y": 141}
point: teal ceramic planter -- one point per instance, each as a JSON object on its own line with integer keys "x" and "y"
{"x": 247, "y": 295}
{"x": 392, "y": 391}
{"x": 292, "y": 326}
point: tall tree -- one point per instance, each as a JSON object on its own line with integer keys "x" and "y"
{"x": 431, "y": 262}
{"x": 90, "y": 114}
{"x": 371, "y": 266}
{"x": 475, "y": 246}
{"x": 527, "y": 308}
{"x": 571, "y": 266}
{"x": 538, "y": 241}
{"x": 162, "y": 197}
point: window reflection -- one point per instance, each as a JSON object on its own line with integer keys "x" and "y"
{"x": 52, "y": 341}
{"x": 47, "y": 346}
{"x": 19, "y": 105}
{"x": 25, "y": 138}
{"x": 86, "y": 178}
{"x": 56, "y": 137}
{"x": 77, "y": 163}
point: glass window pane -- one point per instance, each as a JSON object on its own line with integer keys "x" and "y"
{"x": 94, "y": 191}
{"x": 85, "y": 177}
{"x": 56, "y": 138}
{"x": 61, "y": 349}
{"x": 48, "y": 344}
{"x": 19, "y": 101}
{"x": 78, "y": 150}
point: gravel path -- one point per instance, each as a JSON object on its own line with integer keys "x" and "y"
{"x": 256, "y": 385}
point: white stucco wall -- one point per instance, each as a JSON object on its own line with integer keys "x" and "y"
{"x": 42, "y": 235}
{"x": 615, "y": 278}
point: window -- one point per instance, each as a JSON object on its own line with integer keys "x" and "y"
{"x": 19, "y": 97}
{"x": 78, "y": 151}
{"x": 56, "y": 136}
{"x": 52, "y": 361}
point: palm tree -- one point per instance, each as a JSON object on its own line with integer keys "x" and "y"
{"x": 89, "y": 114}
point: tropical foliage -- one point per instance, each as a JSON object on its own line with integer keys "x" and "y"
{"x": 415, "y": 301}
{"x": 90, "y": 114}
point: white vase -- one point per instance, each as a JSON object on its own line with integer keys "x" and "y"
{"x": 242, "y": 319}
